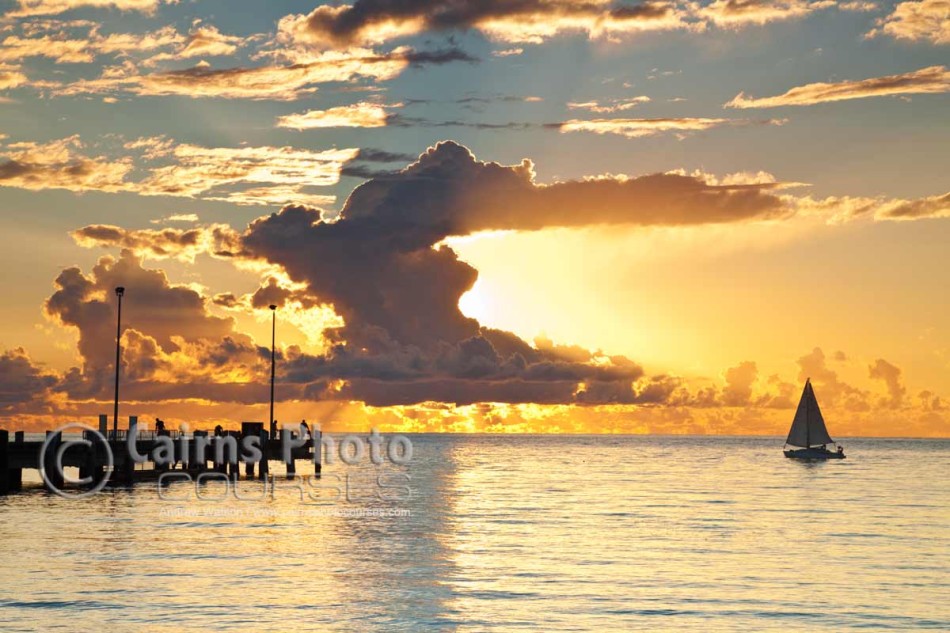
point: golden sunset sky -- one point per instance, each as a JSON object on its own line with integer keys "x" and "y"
{"x": 542, "y": 216}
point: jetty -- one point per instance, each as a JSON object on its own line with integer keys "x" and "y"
{"x": 107, "y": 454}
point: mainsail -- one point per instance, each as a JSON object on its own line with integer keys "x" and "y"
{"x": 808, "y": 427}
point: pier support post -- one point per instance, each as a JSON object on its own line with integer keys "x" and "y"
{"x": 219, "y": 466}
{"x": 201, "y": 456}
{"x": 11, "y": 478}
{"x": 88, "y": 467}
{"x": 14, "y": 475}
{"x": 291, "y": 467}
{"x": 129, "y": 470}
{"x": 53, "y": 474}
{"x": 16, "y": 479}
{"x": 4, "y": 462}
{"x": 264, "y": 469}
{"x": 316, "y": 445}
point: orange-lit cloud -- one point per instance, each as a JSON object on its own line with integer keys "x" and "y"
{"x": 53, "y": 7}
{"x": 837, "y": 209}
{"x": 737, "y": 13}
{"x": 244, "y": 175}
{"x": 931, "y": 80}
{"x": 204, "y": 40}
{"x": 23, "y": 384}
{"x": 362, "y": 114}
{"x": 637, "y": 128}
{"x": 180, "y": 244}
{"x": 275, "y": 82}
{"x": 60, "y": 165}
{"x": 177, "y": 217}
{"x": 611, "y": 106}
{"x": 930, "y": 207}
{"x": 11, "y": 76}
{"x": 533, "y": 21}
{"x": 173, "y": 346}
{"x": 81, "y": 42}
{"x": 926, "y": 21}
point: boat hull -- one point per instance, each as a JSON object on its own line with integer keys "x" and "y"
{"x": 813, "y": 453}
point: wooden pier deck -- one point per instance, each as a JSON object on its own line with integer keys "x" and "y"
{"x": 213, "y": 454}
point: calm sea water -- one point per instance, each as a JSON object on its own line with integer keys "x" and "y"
{"x": 506, "y": 533}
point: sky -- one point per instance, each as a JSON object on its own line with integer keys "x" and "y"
{"x": 493, "y": 216}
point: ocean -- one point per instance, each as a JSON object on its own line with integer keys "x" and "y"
{"x": 504, "y": 533}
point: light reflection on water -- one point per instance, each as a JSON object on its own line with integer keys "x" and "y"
{"x": 547, "y": 532}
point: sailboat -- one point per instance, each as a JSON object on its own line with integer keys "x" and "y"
{"x": 808, "y": 432}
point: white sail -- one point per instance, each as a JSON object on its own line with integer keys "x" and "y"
{"x": 808, "y": 427}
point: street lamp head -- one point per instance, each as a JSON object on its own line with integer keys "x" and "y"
{"x": 273, "y": 307}
{"x": 119, "y": 291}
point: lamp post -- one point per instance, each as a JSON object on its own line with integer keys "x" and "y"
{"x": 273, "y": 360}
{"x": 118, "y": 338}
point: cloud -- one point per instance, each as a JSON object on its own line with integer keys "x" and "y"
{"x": 738, "y": 13}
{"x": 832, "y": 391}
{"x": 53, "y": 7}
{"x": 60, "y": 165}
{"x": 23, "y": 384}
{"x": 362, "y": 114}
{"x": 926, "y": 21}
{"x": 181, "y": 244}
{"x": 177, "y": 217}
{"x": 273, "y": 82}
{"x": 372, "y": 155}
{"x": 739, "y": 381}
{"x": 858, "y": 6}
{"x": 931, "y": 80}
{"x": 244, "y": 175}
{"x": 368, "y": 22}
{"x": 204, "y": 40}
{"x": 890, "y": 375}
{"x": 448, "y": 188}
{"x": 11, "y": 77}
{"x": 637, "y": 128}
{"x": 359, "y": 169}
{"x": 839, "y": 209}
{"x": 61, "y": 48}
{"x": 932, "y": 207}
{"x": 611, "y": 106}
{"x": 477, "y": 102}
{"x": 172, "y": 346}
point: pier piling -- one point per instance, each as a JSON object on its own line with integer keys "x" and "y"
{"x": 4, "y": 462}
{"x": 54, "y": 475}
{"x": 264, "y": 469}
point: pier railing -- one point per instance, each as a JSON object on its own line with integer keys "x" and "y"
{"x": 123, "y": 434}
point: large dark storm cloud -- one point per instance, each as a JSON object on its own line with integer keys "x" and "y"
{"x": 383, "y": 268}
